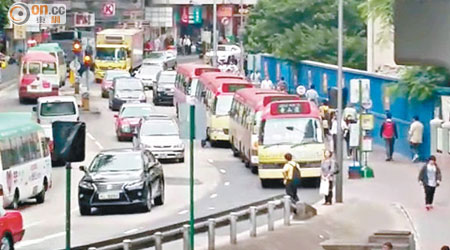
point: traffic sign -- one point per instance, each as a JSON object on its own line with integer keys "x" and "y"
{"x": 225, "y": 21}
{"x": 109, "y": 9}
{"x": 301, "y": 90}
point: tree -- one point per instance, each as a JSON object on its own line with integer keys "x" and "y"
{"x": 4, "y": 7}
{"x": 304, "y": 29}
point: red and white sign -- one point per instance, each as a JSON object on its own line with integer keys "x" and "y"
{"x": 225, "y": 11}
{"x": 225, "y": 21}
{"x": 185, "y": 14}
{"x": 109, "y": 9}
{"x": 84, "y": 19}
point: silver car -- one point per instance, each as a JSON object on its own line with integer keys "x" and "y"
{"x": 164, "y": 58}
{"x": 148, "y": 74}
{"x": 161, "y": 136}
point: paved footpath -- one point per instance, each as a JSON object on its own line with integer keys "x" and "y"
{"x": 392, "y": 200}
{"x": 10, "y": 73}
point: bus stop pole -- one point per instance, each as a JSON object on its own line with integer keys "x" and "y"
{"x": 191, "y": 179}
{"x": 340, "y": 85}
{"x": 68, "y": 183}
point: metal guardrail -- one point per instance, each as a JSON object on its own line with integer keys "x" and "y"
{"x": 156, "y": 238}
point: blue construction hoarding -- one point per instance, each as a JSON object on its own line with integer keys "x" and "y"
{"x": 324, "y": 76}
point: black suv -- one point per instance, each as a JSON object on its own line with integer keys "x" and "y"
{"x": 121, "y": 177}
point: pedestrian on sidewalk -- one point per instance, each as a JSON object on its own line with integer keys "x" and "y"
{"x": 312, "y": 95}
{"x": 291, "y": 175}
{"x": 328, "y": 170}
{"x": 415, "y": 135}
{"x": 334, "y": 130}
{"x": 267, "y": 83}
{"x": 387, "y": 246}
{"x": 430, "y": 177}
{"x": 346, "y": 134}
{"x": 281, "y": 85}
{"x": 388, "y": 132}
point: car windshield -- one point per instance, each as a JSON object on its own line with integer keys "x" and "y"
{"x": 169, "y": 78}
{"x": 159, "y": 128}
{"x": 292, "y": 131}
{"x": 110, "y": 75}
{"x": 223, "y": 104}
{"x": 128, "y": 84}
{"x": 155, "y": 55}
{"x": 136, "y": 112}
{"x": 110, "y": 54}
{"x": 57, "y": 108}
{"x": 116, "y": 162}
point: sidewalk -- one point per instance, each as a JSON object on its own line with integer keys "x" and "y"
{"x": 9, "y": 74}
{"x": 392, "y": 200}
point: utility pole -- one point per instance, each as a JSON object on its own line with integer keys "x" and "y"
{"x": 214, "y": 59}
{"x": 241, "y": 39}
{"x": 340, "y": 85}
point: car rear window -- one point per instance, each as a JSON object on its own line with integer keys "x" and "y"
{"x": 58, "y": 109}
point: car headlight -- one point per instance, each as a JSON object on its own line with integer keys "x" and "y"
{"x": 181, "y": 145}
{"x": 86, "y": 185}
{"x": 160, "y": 89}
{"x": 142, "y": 97}
{"x": 135, "y": 185}
{"x": 126, "y": 128}
{"x": 117, "y": 96}
{"x": 143, "y": 145}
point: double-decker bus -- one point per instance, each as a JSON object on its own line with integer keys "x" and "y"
{"x": 186, "y": 82}
{"x": 25, "y": 164}
{"x": 245, "y": 120}
{"x": 216, "y": 94}
{"x": 290, "y": 127}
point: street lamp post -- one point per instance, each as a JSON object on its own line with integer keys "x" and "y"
{"x": 214, "y": 59}
{"x": 339, "y": 155}
{"x": 241, "y": 61}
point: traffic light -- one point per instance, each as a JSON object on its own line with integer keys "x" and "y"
{"x": 76, "y": 47}
{"x": 87, "y": 60}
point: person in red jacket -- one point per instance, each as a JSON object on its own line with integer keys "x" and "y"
{"x": 389, "y": 133}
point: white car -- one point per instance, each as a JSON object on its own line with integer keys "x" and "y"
{"x": 224, "y": 52}
{"x": 56, "y": 108}
{"x": 148, "y": 73}
{"x": 161, "y": 136}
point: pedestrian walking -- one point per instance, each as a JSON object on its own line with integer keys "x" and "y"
{"x": 415, "y": 135}
{"x": 187, "y": 45}
{"x": 350, "y": 111}
{"x": 430, "y": 177}
{"x": 388, "y": 132}
{"x": 346, "y": 134}
{"x": 327, "y": 170}
{"x": 387, "y": 246}
{"x": 255, "y": 77}
{"x": 291, "y": 175}
{"x": 267, "y": 83}
{"x": 312, "y": 95}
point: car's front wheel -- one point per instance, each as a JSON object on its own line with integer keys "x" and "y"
{"x": 6, "y": 243}
{"x": 148, "y": 201}
{"x": 159, "y": 200}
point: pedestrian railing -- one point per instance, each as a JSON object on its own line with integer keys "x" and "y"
{"x": 158, "y": 238}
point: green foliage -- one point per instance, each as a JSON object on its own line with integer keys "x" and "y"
{"x": 305, "y": 29}
{"x": 419, "y": 83}
{"x": 382, "y": 9}
{"x": 4, "y": 7}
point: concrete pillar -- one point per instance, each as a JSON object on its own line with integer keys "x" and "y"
{"x": 445, "y": 137}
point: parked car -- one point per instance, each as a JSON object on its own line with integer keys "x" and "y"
{"x": 147, "y": 73}
{"x": 121, "y": 177}
{"x": 167, "y": 59}
{"x": 108, "y": 80}
{"x": 126, "y": 90}
{"x": 161, "y": 136}
{"x": 128, "y": 118}
{"x": 11, "y": 228}
{"x": 164, "y": 87}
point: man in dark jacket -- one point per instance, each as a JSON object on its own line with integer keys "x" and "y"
{"x": 388, "y": 132}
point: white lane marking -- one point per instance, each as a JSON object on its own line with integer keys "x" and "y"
{"x": 213, "y": 196}
{"x": 36, "y": 241}
{"x": 99, "y": 145}
{"x": 211, "y": 208}
{"x": 227, "y": 183}
{"x": 210, "y": 161}
{"x": 95, "y": 141}
{"x": 90, "y": 136}
{"x": 32, "y": 224}
{"x": 183, "y": 212}
{"x": 131, "y": 231}
{"x": 223, "y": 171}
{"x": 322, "y": 237}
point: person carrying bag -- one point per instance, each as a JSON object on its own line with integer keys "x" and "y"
{"x": 292, "y": 175}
